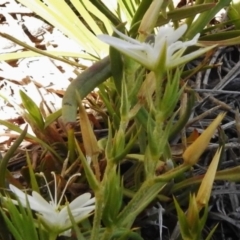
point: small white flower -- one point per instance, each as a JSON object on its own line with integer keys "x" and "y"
{"x": 151, "y": 55}
{"x": 54, "y": 216}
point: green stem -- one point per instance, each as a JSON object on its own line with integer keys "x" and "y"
{"x": 97, "y": 214}
{"x": 145, "y": 195}
{"x": 99, "y": 195}
{"x": 53, "y": 236}
{"x": 178, "y": 126}
{"x": 158, "y": 78}
{"x": 147, "y": 192}
{"x": 107, "y": 234}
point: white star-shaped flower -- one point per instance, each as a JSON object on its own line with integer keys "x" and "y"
{"x": 165, "y": 51}
{"x": 52, "y": 215}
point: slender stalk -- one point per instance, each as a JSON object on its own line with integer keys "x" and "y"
{"x": 107, "y": 234}
{"x": 147, "y": 192}
{"x": 99, "y": 195}
{"x": 159, "y": 80}
{"x": 53, "y": 236}
{"x": 145, "y": 195}
{"x": 97, "y": 214}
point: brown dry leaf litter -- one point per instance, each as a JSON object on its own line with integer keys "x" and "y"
{"x": 39, "y": 77}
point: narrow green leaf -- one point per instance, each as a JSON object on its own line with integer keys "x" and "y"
{"x": 98, "y": 14}
{"x": 116, "y": 68}
{"x": 226, "y": 35}
{"x": 177, "y": 127}
{"x": 109, "y": 144}
{"x": 182, "y": 219}
{"x": 79, "y": 5}
{"x": 142, "y": 198}
{"x": 75, "y": 226}
{"x": 4, "y": 231}
{"x": 71, "y": 145}
{"x": 33, "y": 110}
{"x": 33, "y": 179}
{"x": 227, "y": 42}
{"x": 181, "y": 13}
{"x": 129, "y": 9}
{"x": 99, "y": 5}
{"x": 126, "y": 234}
{"x": 8, "y": 155}
{"x": 234, "y": 13}
{"x": 11, "y": 226}
{"x": 209, "y": 237}
{"x": 204, "y": 216}
{"x": 93, "y": 182}
{"x": 52, "y": 11}
{"x": 52, "y": 118}
{"x": 127, "y": 148}
{"x": 15, "y": 217}
{"x": 204, "y": 19}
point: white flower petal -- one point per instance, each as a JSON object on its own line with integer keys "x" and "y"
{"x": 82, "y": 211}
{"x": 52, "y": 216}
{"x": 127, "y": 38}
{"x": 80, "y": 215}
{"x": 177, "y": 34}
{"x": 81, "y": 201}
{"x": 89, "y": 202}
{"x": 186, "y": 58}
{"x": 40, "y": 200}
{"x": 52, "y": 222}
{"x": 134, "y": 51}
{"x": 150, "y": 55}
{"x": 174, "y": 47}
{"x": 21, "y": 195}
{"x": 164, "y": 31}
{"x": 22, "y": 198}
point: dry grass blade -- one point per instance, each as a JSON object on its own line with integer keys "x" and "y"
{"x": 89, "y": 139}
{"x": 39, "y": 51}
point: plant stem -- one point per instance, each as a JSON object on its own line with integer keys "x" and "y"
{"x": 53, "y": 236}
{"x": 145, "y": 195}
{"x": 159, "y": 80}
{"x": 107, "y": 234}
{"x": 147, "y": 192}
{"x": 98, "y": 214}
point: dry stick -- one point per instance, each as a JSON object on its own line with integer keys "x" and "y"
{"x": 216, "y": 91}
{"x": 229, "y": 77}
{"x": 198, "y": 80}
{"x": 201, "y": 116}
{"x": 213, "y": 60}
{"x": 218, "y": 102}
{"x": 226, "y": 146}
{"x": 39, "y": 51}
{"x": 237, "y": 119}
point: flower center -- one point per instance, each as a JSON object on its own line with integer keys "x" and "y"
{"x": 150, "y": 40}
{"x": 53, "y": 200}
